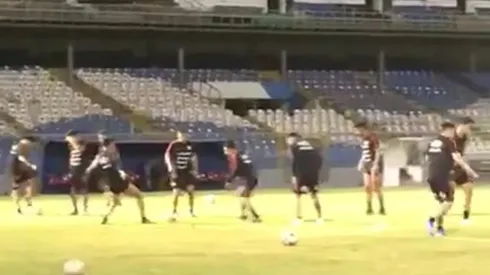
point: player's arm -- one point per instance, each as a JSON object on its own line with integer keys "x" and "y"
{"x": 194, "y": 163}
{"x": 232, "y": 166}
{"x": 377, "y": 153}
{"x": 296, "y": 169}
{"x": 458, "y": 159}
{"x": 27, "y": 162}
{"x": 93, "y": 165}
{"x": 170, "y": 158}
{"x": 72, "y": 141}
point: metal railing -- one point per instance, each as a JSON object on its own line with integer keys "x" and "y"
{"x": 145, "y": 16}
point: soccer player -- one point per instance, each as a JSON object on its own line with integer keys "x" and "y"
{"x": 23, "y": 172}
{"x": 119, "y": 182}
{"x": 460, "y": 177}
{"x": 181, "y": 161}
{"x": 96, "y": 174}
{"x": 243, "y": 175}
{"x": 306, "y": 167}
{"x": 79, "y": 160}
{"x": 442, "y": 155}
{"x": 369, "y": 165}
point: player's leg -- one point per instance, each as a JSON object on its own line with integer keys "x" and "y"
{"x": 245, "y": 193}
{"x": 377, "y": 188}
{"x": 16, "y": 195}
{"x": 243, "y": 202}
{"x": 134, "y": 192}
{"x": 462, "y": 179}
{"x": 316, "y": 202}
{"x": 313, "y": 184}
{"x": 29, "y": 191}
{"x": 297, "y": 188}
{"x": 368, "y": 188}
{"x": 190, "y": 193}
{"x": 74, "y": 198}
{"x": 30, "y": 187}
{"x": 176, "y": 193}
{"x": 444, "y": 194}
{"x": 115, "y": 198}
{"x": 468, "y": 197}
{"x": 85, "y": 199}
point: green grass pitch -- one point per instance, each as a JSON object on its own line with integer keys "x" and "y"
{"x": 217, "y": 243}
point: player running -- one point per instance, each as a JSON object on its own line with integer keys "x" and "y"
{"x": 79, "y": 160}
{"x": 460, "y": 177}
{"x": 442, "y": 156}
{"x": 369, "y": 165}
{"x": 118, "y": 180}
{"x": 243, "y": 175}
{"x": 23, "y": 172}
{"x": 181, "y": 161}
{"x": 306, "y": 166}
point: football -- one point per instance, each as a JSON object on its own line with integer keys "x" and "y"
{"x": 73, "y": 267}
{"x": 289, "y": 238}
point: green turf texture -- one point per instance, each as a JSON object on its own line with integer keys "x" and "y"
{"x": 217, "y": 243}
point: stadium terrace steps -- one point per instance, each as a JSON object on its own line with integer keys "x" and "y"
{"x": 13, "y": 123}
{"x": 370, "y": 78}
{"x": 463, "y": 80}
{"x": 140, "y": 121}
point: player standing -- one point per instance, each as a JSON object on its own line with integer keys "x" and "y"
{"x": 243, "y": 174}
{"x": 23, "y": 172}
{"x": 119, "y": 182}
{"x": 369, "y": 165}
{"x": 460, "y": 177}
{"x": 306, "y": 167}
{"x": 79, "y": 160}
{"x": 442, "y": 156}
{"x": 181, "y": 161}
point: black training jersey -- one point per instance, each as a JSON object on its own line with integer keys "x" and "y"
{"x": 79, "y": 157}
{"x": 440, "y": 159}
{"x": 105, "y": 160}
{"x": 179, "y": 156}
{"x": 460, "y": 142}
{"x": 19, "y": 158}
{"x": 369, "y": 147}
{"x": 240, "y": 165}
{"x": 306, "y": 159}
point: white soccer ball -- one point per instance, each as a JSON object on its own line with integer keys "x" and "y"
{"x": 74, "y": 267}
{"x": 289, "y": 238}
{"x": 211, "y": 199}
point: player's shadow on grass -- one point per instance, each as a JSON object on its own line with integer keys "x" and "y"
{"x": 483, "y": 214}
{"x": 314, "y": 220}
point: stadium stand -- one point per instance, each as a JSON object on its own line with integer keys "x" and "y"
{"x": 430, "y": 89}
{"x": 176, "y": 109}
{"x": 318, "y": 8}
{"x": 34, "y": 99}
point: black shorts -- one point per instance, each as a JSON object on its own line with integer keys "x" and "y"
{"x": 307, "y": 183}
{"x": 442, "y": 189}
{"x": 22, "y": 174}
{"x": 245, "y": 186}
{"x": 77, "y": 178}
{"x": 460, "y": 176}
{"x": 183, "y": 181}
{"x": 117, "y": 184}
{"x": 367, "y": 166}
